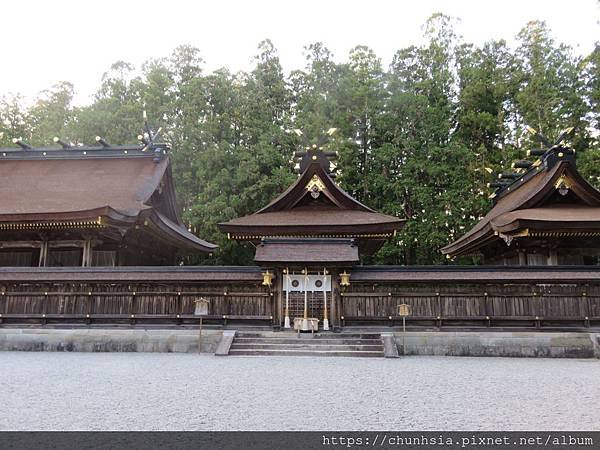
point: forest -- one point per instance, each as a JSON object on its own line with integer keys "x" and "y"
{"x": 420, "y": 139}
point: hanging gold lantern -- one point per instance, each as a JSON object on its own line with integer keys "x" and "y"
{"x": 267, "y": 278}
{"x": 344, "y": 279}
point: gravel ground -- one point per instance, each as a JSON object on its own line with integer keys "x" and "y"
{"x": 150, "y": 391}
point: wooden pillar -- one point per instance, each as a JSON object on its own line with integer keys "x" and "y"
{"x": 86, "y": 260}
{"x": 334, "y": 314}
{"x": 552, "y": 257}
{"x": 486, "y": 308}
{"x": 84, "y": 255}
{"x": 522, "y": 258}
{"x": 325, "y": 301}
{"x": 43, "y": 254}
{"x": 44, "y": 307}
{"x": 179, "y": 307}
{"x": 131, "y": 306}
{"x": 440, "y": 308}
{"x": 277, "y": 299}
{"x": 587, "y": 305}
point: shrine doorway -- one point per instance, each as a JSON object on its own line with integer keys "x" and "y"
{"x": 307, "y": 299}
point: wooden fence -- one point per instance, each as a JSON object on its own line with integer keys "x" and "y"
{"x": 160, "y": 296}
{"x": 439, "y": 298}
{"x": 483, "y": 297}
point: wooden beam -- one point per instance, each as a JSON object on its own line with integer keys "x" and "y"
{"x": 75, "y": 243}
{"x": 20, "y": 244}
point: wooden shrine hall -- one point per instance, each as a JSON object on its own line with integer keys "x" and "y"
{"x": 311, "y": 236}
{"x": 98, "y": 205}
{"x": 545, "y": 213}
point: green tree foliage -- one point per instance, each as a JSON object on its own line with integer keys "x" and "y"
{"x": 416, "y": 139}
{"x": 14, "y": 120}
{"x": 551, "y": 85}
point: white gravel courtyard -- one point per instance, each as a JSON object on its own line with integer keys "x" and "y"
{"x": 150, "y": 391}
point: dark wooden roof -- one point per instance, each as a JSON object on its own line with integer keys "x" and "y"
{"x": 114, "y": 186}
{"x": 155, "y": 274}
{"x": 473, "y": 274}
{"x": 313, "y": 220}
{"x": 332, "y": 213}
{"x": 307, "y": 251}
{"x": 531, "y": 204}
{"x": 365, "y": 274}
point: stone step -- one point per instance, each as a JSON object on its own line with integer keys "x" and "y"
{"x": 319, "y": 335}
{"x": 308, "y": 341}
{"x": 293, "y": 344}
{"x": 289, "y": 352}
{"x": 332, "y": 347}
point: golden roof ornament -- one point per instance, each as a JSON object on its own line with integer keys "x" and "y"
{"x": 315, "y": 186}
{"x": 563, "y": 185}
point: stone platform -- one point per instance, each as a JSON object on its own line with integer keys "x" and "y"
{"x": 468, "y": 343}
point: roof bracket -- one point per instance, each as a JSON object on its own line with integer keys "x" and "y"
{"x": 21, "y": 144}
{"x": 102, "y": 142}
{"x": 508, "y": 238}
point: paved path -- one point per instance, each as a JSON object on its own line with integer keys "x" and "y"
{"x": 120, "y": 391}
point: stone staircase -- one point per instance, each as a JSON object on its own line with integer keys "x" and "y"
{"x": 318, "y": 344}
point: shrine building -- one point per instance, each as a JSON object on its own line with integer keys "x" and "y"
{"x": 546, "y": 213}
{"x": 311, "y": 236}
{"x": 98, "y": 205}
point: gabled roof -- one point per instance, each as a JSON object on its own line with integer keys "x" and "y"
{"x": 297, "y": 191}
{"x": 313, "y": 206}
{"x": 112, "y": 186}
{"x": 528, "y": 206}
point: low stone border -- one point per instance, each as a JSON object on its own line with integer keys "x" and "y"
{"x": 513, "y": 344}
{"x": 108, "y": 340}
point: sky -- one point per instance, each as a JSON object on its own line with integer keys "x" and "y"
{"x": 44, "y": 42}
